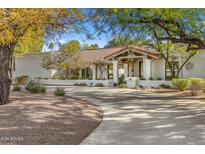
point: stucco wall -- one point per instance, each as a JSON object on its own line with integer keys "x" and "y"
{"x": 31, "y": 66}
{"x": 158, "y": 68}
{"x": 50, "y": 82}
{"x": 198, "y": 69}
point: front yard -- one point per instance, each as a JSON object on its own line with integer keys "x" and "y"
{"x": 46, "y": 119}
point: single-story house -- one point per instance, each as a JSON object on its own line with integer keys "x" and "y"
{"x": 108, "y": 65}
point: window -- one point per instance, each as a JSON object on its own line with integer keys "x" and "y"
{"x": 168, "y": 73}
{"x": 110, "y": 71}
{"x": 86, "y": 73}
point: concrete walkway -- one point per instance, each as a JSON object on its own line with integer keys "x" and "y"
{"x": 141, "y": 117}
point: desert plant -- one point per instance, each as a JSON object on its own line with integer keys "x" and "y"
{"x": 58, "y": 78}
{"x": 197, "y": 85}
{"x": 99, "y": 85}
{"x": 16, "y": 88}
{"x": 35, "y": 87}
{"x": 122, "y": 85}
{"x": 75, "y": 84}
{"x": 82, "y": 84}
{"x": 151, "y": 78}
{"x": 159, "y": 78}
{"x": 22, "y": 80}
{"x": 141, "y": 78}
{"x": 59, "y": 91}
{"x": 181, "y": 84}
{"x": 166, "y": 86}
{"x": 121, "y": 80}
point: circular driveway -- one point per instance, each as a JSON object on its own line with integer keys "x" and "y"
{"x": 144, "y": 117}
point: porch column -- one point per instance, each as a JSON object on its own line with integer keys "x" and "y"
{"x": 125, "y": 70}
{"x": 93, "y": 72}
{"x": 115, "y": 72}
{"x": 80, "y": 74}
{"x": 146, "y": 68}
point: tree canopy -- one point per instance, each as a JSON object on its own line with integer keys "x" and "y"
{"x": 70, "y": 47}
{"x": 89, "y": 46}
{"x": 22, "y": 30}
{"x": 176, "y": 25}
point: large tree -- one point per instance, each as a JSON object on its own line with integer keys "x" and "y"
{"x": 71, "y": 47}
{"x": 19, "y": 26}
{"x": 165, "y": 30}
{"x": 176, "y": 25}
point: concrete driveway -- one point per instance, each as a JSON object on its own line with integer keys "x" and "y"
{"x": 144, "y": 117}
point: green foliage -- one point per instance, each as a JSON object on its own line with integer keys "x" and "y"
{"x": 119, "y": 41}
{"x": 197, "y": 85}
{"x": 67, "y": 65}
{"x": 165, "y": 86}
{"x": 122, "y": 85}
{"x": 75, "y": 84}
{"x": 58, "y": 78}
{"x": 82, "y": 84}
{"x": 121, "y": 80}
{"x": 59, "y": 91}
{"x": 16, "y": 88}
{"x": 35, "y": 87}
{"x": 158, "y": 78}
{"x": 88, "y": 47}
{"x": 70, "y": 47}
{"x": 22, "y": 80}
{"x": 151, "y": 78}
{"x": 142, "y": 78}
{"x": 181, "y": 84}
{"x": 99, "y": 85}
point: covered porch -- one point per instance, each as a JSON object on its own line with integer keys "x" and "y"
{"x": 129, "y": 64}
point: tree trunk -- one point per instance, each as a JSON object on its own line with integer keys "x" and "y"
{"x": 6, "y": 56}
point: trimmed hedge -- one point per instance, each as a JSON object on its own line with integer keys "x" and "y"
{"x": 181, "y": 84}
{"x": 197, "y": 85}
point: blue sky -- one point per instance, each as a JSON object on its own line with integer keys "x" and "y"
{"x": 101, "y": 40}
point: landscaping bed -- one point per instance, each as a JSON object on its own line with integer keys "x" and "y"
{"x": 46, "y": 119}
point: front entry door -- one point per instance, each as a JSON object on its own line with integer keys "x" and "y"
{"x": 140, "y": 69}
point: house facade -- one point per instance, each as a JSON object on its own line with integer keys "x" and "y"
{"x": 109, "y": 66}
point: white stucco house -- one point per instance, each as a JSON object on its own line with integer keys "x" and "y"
{"x": 130, "y": 63}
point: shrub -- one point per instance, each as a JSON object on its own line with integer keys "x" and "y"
{"x": 38, "y": 89}
{"x": 74, "y": 78}
{"x": 166, "y": 86}
{"x": 82, "y": 84}
{"x": 141, "y": 78}
{"x": 122, "y": 85}
{"x": 59, "y": 91}
{"x": 151, "y": 78}
{"x": 159, "y": 78}
{"x": 181, "y": 84}
{"x": 99, "y": 85}
{"x": 16, "y": 88}
{"x": 75, "y": 84}
{"x": 197, "y": 85}
{"x": 35, "y": 87}
{"x": 121, "y": 80}
{"x": 58, "y": 78}
{"x": 23, "y": 80}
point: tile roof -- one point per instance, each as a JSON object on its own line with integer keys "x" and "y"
{"x": 95, "y": 55}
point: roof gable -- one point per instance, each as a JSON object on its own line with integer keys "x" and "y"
{"x": 138, "y": 50}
